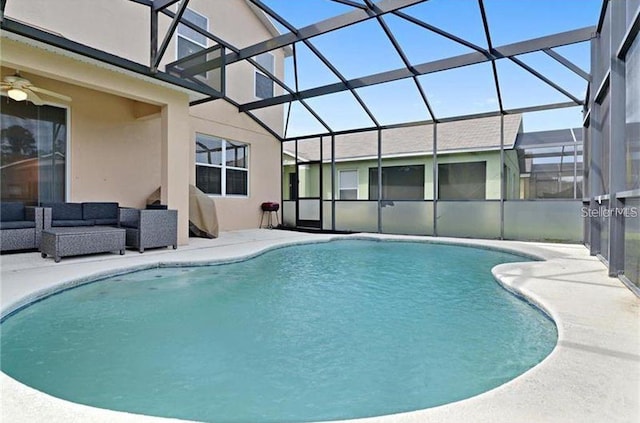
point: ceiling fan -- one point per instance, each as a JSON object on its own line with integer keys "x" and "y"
{"x": 19, "y": 89}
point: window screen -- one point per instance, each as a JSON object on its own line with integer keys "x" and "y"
{"x": 398, "y": 183}
{"x": 462, "y": 181}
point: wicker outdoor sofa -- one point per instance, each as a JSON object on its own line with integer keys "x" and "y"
{"x": 20, "y": 226}
{"x": 85, "y": 228}
{"x": 72, "y": 229}
{"x": 146, "y": 228}
{"x": 80, "y": 214}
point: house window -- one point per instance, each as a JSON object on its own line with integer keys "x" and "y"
{"x": 398, "y": 183}
{"x": 222, "y": 166}
{"x": 348, "y": 184}
{"x": 34, "y": 152}
{"x": 462, "y": 181}
{"x": 191, "y": 41}
{"x": 264, "y": 84}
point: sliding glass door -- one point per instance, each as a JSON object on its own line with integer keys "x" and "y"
{"x": 34, "y": 148}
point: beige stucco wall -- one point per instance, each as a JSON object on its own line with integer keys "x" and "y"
{"x": 93, "y": 23}
{"x": 115, "y": 26}
{"x": 112, "y": 154}
{"x": 234, "y": 21}
{"x": 122, "y": 27}
{"x": 222, "y": 120}
{"x": 238, "y": 25}
{"x": 115, "y": 140}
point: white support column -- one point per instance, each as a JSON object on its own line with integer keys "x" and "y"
{"x": 176, "y": 163}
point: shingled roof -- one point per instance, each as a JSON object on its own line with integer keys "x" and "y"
{"x": 453, "y": 137}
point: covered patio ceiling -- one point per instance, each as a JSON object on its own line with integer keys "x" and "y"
{"x": 383, "y": 64}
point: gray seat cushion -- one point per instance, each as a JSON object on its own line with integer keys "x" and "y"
{"x": 11, "y": 211}
{"x": 72, "y": 222}
{"x": 17, "y": 224}
{"x": 65, "y": 211}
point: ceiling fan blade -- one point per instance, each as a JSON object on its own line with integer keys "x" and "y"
{"x": 50, "y": 93}
{"x": 32, "y": 97}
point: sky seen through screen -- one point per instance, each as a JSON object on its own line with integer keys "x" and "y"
{"x": 364, "y": 49}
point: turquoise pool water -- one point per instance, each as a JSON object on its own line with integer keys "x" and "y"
{"x": 337, "y": 330}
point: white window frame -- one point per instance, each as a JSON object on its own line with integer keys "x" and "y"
{"x": 223, "y": 167}
{"x": 190, "y": 39}
{"x": 258, "y": 71}
{"x": 340, "y": 187}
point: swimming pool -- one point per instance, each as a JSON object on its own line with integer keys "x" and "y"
{"x": 324, "y": 331}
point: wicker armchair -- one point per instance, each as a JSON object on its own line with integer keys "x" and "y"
{"x": 150, "y": 228}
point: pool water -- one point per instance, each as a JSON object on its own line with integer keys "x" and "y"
{"x": 326, "y": 331}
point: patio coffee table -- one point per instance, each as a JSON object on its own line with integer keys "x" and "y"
{"x": 73, "y": 241}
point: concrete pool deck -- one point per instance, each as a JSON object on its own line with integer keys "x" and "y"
{"x": 592, "y": 375}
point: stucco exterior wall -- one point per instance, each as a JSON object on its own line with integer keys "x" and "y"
{"x": 112, "y": 155}
{"x": 119, "y": 27}
{"x": 512, "y": 175}
{"x": 115, "y": 142}
{"x": 122, "y": 27}
{"x": 220, "y": 119}
{"x": 236, "y": 23}
{"x": 116, "y": 133}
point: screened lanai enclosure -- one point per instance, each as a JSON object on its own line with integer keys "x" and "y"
{"x": 508, "y": 120}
